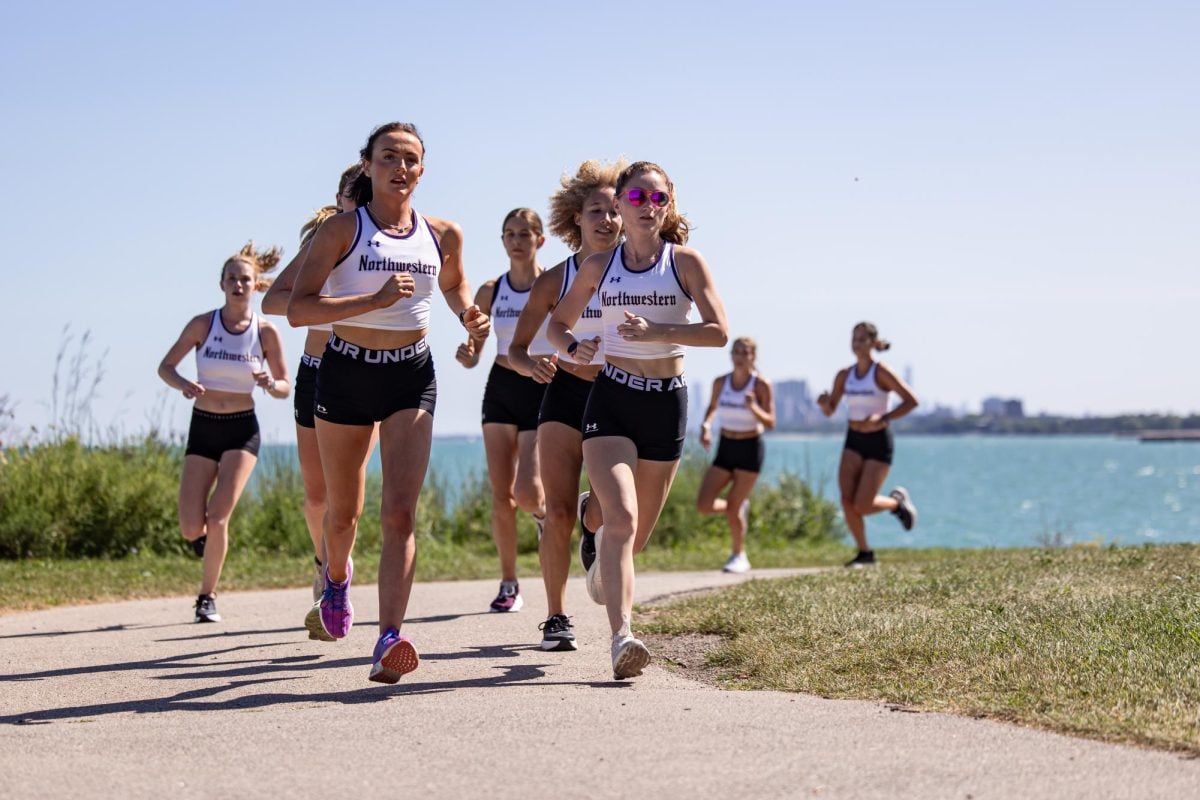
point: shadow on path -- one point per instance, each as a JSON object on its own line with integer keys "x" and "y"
{"x": 196, "y": 700}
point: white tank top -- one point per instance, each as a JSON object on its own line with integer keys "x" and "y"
{"x": 374, "y": 257}
{"x": 654, "y": 293}
{"x": 226, "y": 361}
{"x": 591, "y": 321}
{"x": 863, "y": 395}
{"x": 732, "y": 414}
{"x": 507, "y": 304}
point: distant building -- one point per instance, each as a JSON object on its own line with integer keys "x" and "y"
{"x": 1008, "y": 408}
{"x": 794, "y": 406}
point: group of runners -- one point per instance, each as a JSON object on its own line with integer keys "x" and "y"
{"x": 588, "y": 375}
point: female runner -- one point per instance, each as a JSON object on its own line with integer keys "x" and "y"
{"x": 583, "y": 215}
{"x": 511, "y": 401}
{"x": 633, "y": 427}
{"x": 275, "y": 302}
{"x": 744, "y": 404}
{"x": 867, "y": 456}
{"x": 382, "y": 264}
{"x": 236, "y": 350}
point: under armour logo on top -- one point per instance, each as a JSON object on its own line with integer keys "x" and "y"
{"x": 218, "y": 338}
{"x": 591, "y": 427}
{"x": 615, "y": 279}
{"x": 372, "y": 243}
{"x": 503, "y": 298}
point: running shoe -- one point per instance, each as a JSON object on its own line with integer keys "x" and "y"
{"x": 865, "y": 558}
{"x": 558, "y": 633}
{"x": 395, "y": 656}
{"x": 198, "y": 546}
{"x": 905, "y": 511}
{"x": 312, "y": 622}
{"x": 595, "y": 589}
{"x": 587, "y": 539}
{"x": 629, "y": 656}
{"x": 206, "y": 609}
{"x": 318, "y": 579}
{"x": 737, "y": 563}
{"x": 509, "y": 598}
{"x": 337, "y": 614}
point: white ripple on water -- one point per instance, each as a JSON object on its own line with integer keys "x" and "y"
{"x": 1111, "y": 466}
{"x": 1145, "y": 472}
{"x": 1027, "y": 505}
{"x": 1148, "y": 533}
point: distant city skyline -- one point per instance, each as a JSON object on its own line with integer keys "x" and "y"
{"x": 1009, "y": 192}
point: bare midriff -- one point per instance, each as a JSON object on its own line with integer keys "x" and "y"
{"x": 378, "y": 338}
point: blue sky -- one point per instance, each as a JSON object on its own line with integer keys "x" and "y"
{"x": 1010, "y": 191}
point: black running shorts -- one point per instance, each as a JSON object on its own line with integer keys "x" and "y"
{"x": 652, "y": 412}
{"x": 356, "y": 386}
{"x": 212, "y": 435}
{"x": 305, "y": 390}
{"x": 512, "y": 399}
{"x": 744, "y": 454}
{"x": 565, "y": 400}
{"x": 875, "y": 446}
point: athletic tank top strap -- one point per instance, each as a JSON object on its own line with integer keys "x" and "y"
{"x": 227, "y": 361}
{"x": 374, "y": 256}
{"x": 654, "y": 293}
{"x": 864, "y": 398}
{"x": 506, "y": 307}
{"x": 732, "y": 413}
{"x": 591, "y": 321}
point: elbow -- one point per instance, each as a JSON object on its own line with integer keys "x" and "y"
{"x": 722, "y": 337}
{"x": 769, "y": 424}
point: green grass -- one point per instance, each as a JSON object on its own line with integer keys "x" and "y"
{"x": 1103, "y": 643}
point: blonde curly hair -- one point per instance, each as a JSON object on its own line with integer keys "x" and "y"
{"x": 261, "y": 261}
{"x": 568, "y": 201}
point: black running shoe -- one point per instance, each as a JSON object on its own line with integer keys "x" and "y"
{"x": 865, "y": 558}
{"x": 558, "y": 633}
{"x": 198, "y": 546}
{"x": 905, "y": 511}
{"x": 587, "y": 539}
{"x": 206, "y": 609}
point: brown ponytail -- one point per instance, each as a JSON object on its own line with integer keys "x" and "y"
{"x": 873, "y": 332}
{"x": 261, "y": 261}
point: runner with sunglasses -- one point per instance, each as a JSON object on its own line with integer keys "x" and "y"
{"x": 744, "y": 404}
{"x": 583, "y": 215}
{"x": 867, "y": 457}
{"x": 236, "y": 352}
{"x": 511, "y": 401}
{"x": 382, "y": 264}
{"x": 633, "y": 426}
{"x": 275, "y": 302}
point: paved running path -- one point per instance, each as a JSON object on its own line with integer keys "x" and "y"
{"x": 133, "y": 700}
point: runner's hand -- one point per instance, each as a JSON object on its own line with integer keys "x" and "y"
{"x": 586, "y": 350}
{"x": 477, "y": 323}
{"x": 398, "y": 286}
{"x": 634, "y": 328}
{"x": 465, "y": 354}
{"x": 192, "y": 390}
{"x": 544, "y": 369}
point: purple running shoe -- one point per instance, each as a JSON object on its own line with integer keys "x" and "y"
{"x": 395, "y": 656}
{"x": 337, "y": 615}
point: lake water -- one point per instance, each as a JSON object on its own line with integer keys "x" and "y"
{"x": 975, "y": 491}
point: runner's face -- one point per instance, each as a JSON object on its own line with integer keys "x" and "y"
{"x": 860, "y": 342}
{"x": 646, "y": 218}
{"x": 742, "y": 355}
{"x": 521, "y": 241}
{"x": 238, "y": 281}
{"x": 396, "y": 165}
{"x": 345, "y": 200}
{"x": 598, "y": 221}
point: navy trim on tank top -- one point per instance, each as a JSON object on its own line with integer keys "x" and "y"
{"x": 657, "y": 261}
{"x": 357, "y": 235}
{"x": 678, "y": 280}
{"x": 225, "y": 327}
{"x": 436, "y": 242}
{"x": 411, "y": 229}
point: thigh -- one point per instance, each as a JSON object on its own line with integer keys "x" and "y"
{"x": 194, "y": 485}
{"x": 500, "y": 445}
{"x": 232, "y": 474}
{"x": 560, "y": 458}
{"x": 344, "y": 450}
{"x": 874, "y": 473}
{"x": 610, "y": 462}
{"x": 527, "y": 457}
{"x": 715, "y": 479}
{"x": 653, "y": 480}
{"x": 404, "y": 442}
{"x": 310, "y": 461}
{"x": 849, "y": 472}
{"x": 743, "y": 484}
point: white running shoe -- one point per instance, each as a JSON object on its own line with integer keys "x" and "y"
{"x": 737, "y": 564}
{"x": 629, "y": 656}
{"x": 595, "y": 589}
